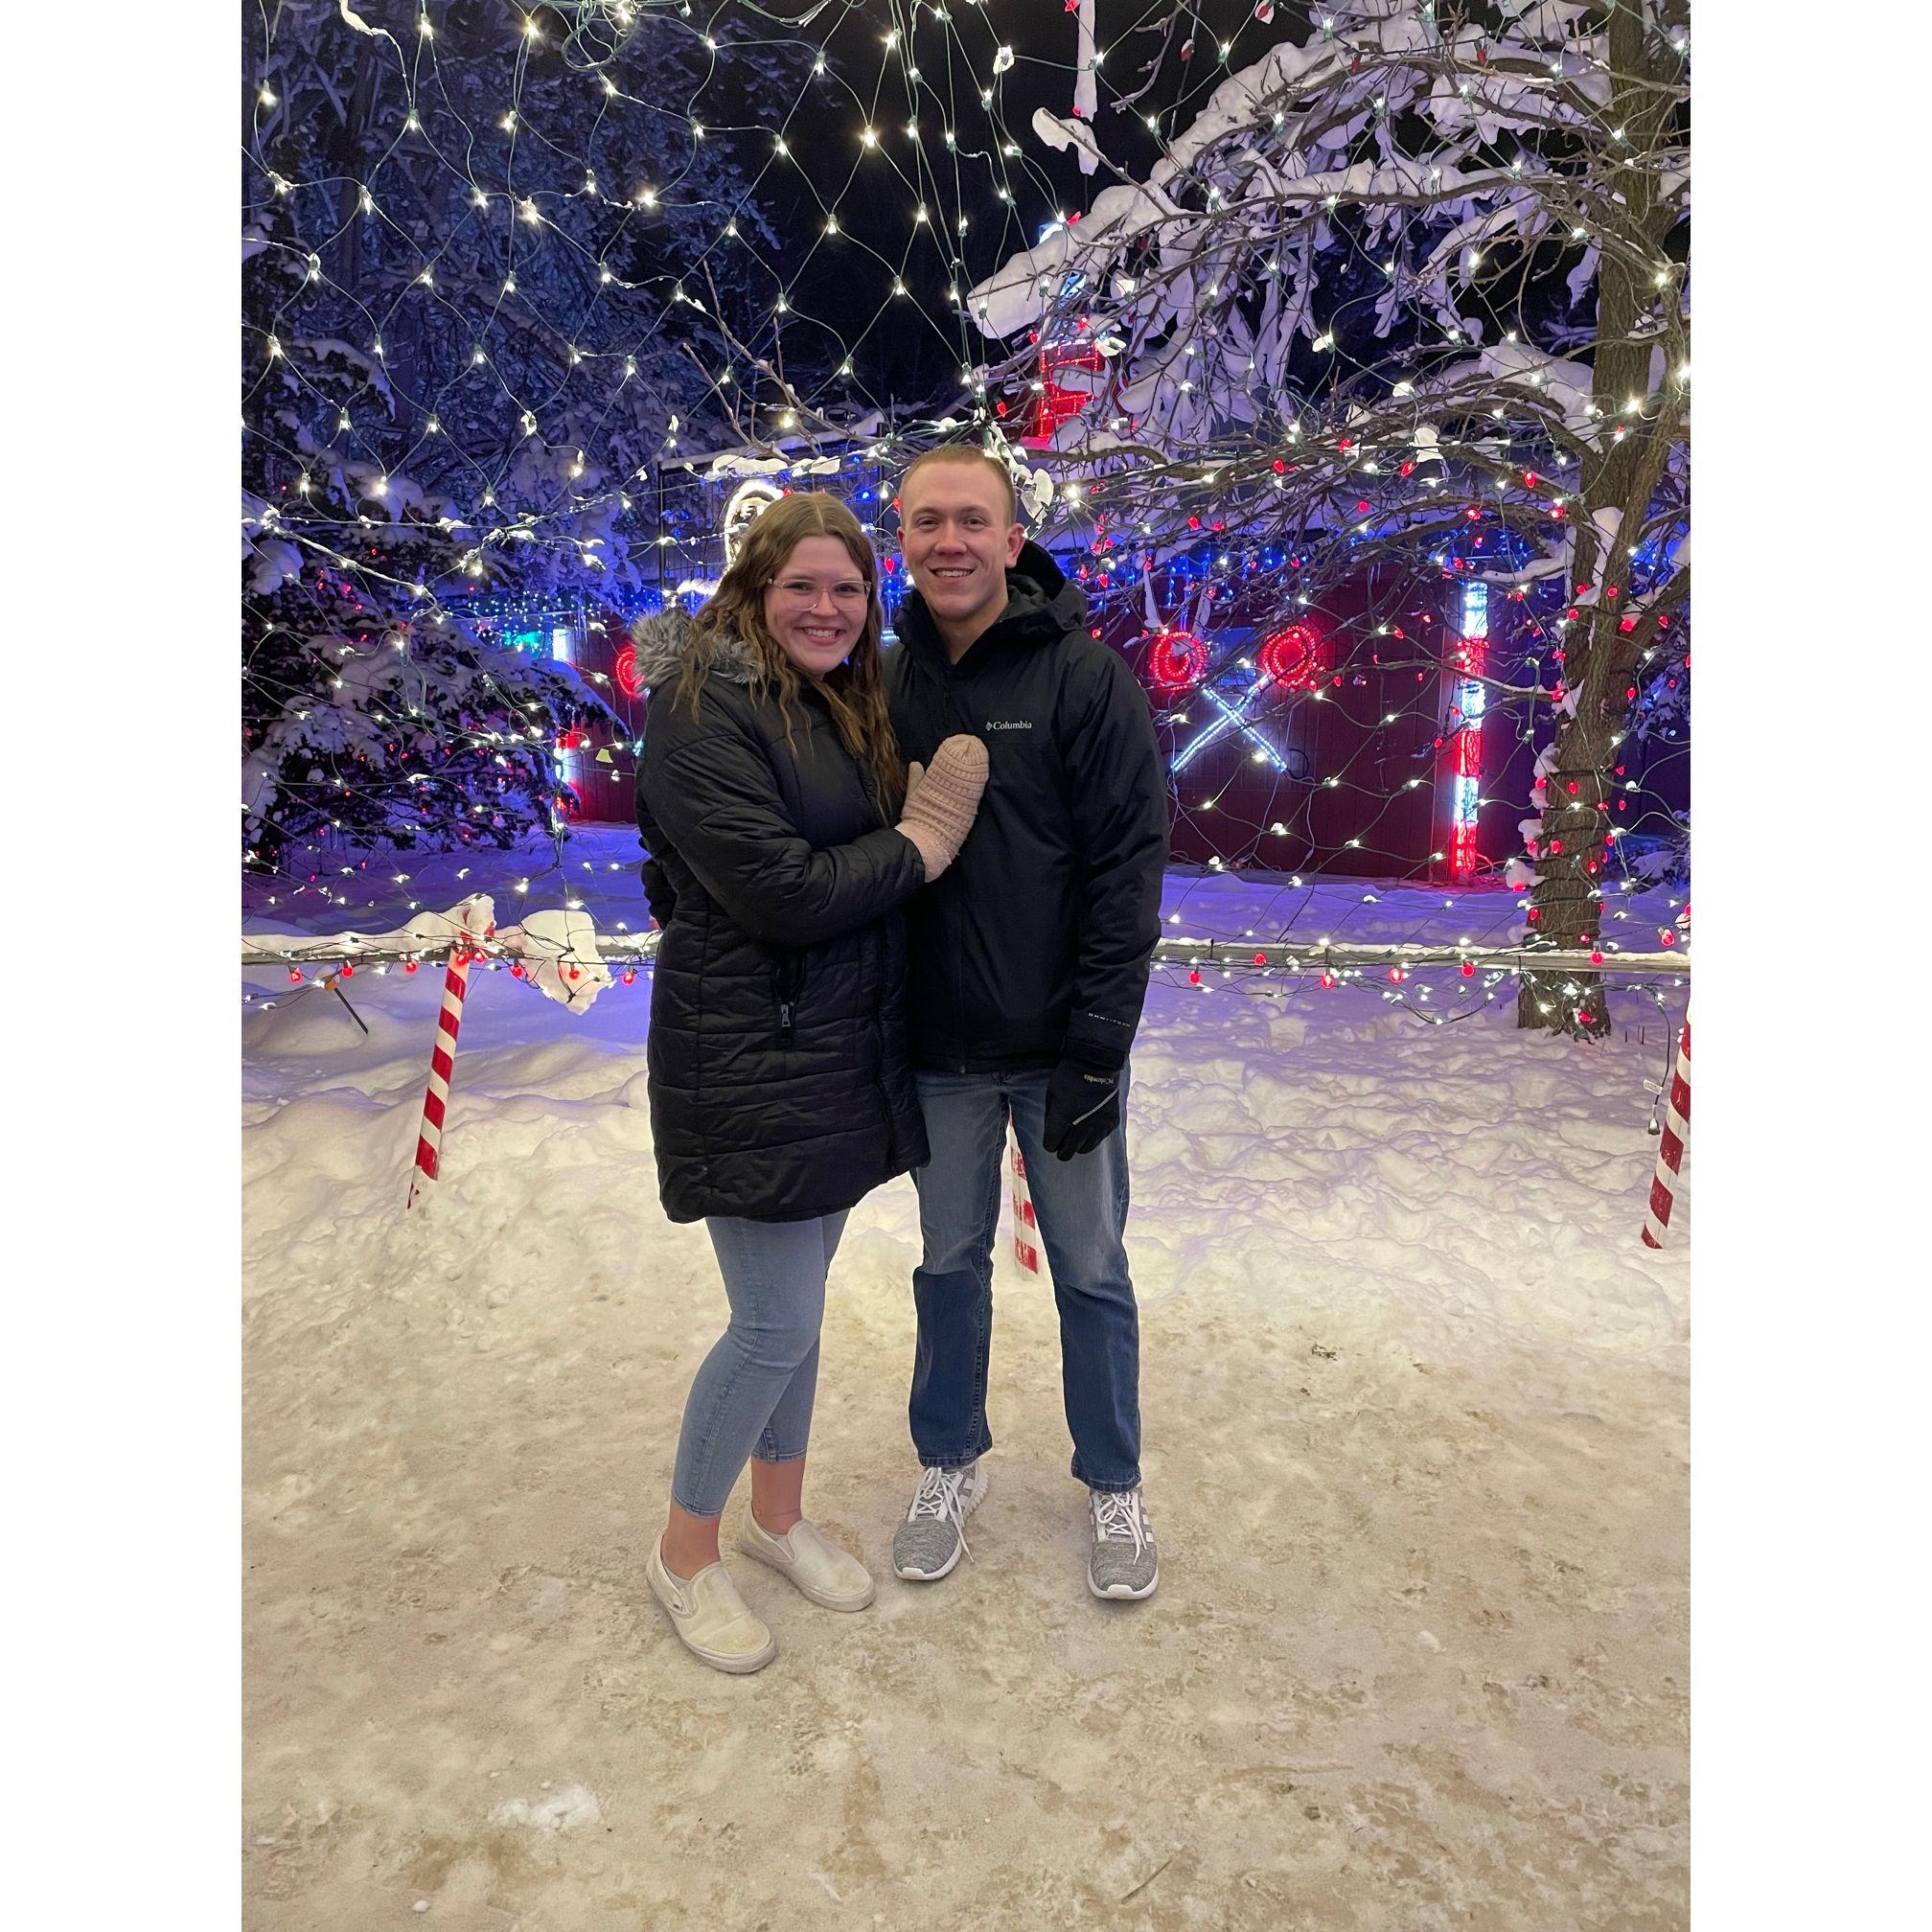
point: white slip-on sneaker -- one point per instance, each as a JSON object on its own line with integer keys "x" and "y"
{"x": 821, "y": 1570}
{"x": 933, "y": 1537}
{"x": 711, "y": 1620}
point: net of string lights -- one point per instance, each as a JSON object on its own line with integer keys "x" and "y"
{"x": 1346, "y": 350}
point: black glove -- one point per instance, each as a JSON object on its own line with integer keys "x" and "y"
{"x": 1083, "y": 1106}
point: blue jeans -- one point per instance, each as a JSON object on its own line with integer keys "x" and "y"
{"x": 753, "y": 1394}
{"x": 1082, "y": 1210}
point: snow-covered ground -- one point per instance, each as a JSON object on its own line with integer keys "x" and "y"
{"x": 1415, "y": 1410}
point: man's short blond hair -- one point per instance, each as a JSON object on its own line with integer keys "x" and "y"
{"x": 965, "y": 452}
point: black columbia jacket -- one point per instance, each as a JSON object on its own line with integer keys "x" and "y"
{"x": 780, "y": 1078}
{"x": 1038, "y": 936}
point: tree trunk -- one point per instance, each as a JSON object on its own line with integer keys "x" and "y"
{"x": 1566, "y": 905}
{"x": 1565, "y": 908}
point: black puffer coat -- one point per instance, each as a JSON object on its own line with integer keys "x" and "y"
{"x": 780, "y": 1080}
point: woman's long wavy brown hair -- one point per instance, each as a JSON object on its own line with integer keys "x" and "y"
{"x": 856, "y": 689}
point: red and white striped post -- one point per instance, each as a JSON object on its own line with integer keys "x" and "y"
{"x": 1671, "y": 1149}
{"x": 1025, "y": 1226}
{"x": 443, "y": 1063}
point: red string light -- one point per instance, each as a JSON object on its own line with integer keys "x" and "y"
{"x": 1176, "y": 663}
{"x": 1294, "y": 658}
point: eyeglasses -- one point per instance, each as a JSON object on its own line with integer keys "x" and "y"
{"x": 796, "y": 590}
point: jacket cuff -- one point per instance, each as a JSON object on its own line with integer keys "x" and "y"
{"x": 1096, "y": 1041}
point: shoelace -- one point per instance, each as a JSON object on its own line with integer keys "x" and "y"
{"x": 938, "y": 1498}
{"x": 1117, "y": 1513}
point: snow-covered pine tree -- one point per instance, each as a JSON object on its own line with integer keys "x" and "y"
{"x": 482, "y": 291}
{"x": 1430, "y": 260}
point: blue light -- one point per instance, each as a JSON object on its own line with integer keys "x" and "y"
{"x": 1232, "y": 718}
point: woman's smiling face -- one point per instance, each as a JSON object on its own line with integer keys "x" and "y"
{"x": 816, "y": 607}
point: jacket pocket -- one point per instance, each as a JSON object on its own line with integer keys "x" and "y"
{"x": 788, "y": 987}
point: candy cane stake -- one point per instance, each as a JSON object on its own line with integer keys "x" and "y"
{"x": 473, "y": 913}
{"x": 1025, "y": 1227}
{"x": 1671, "y": 1149}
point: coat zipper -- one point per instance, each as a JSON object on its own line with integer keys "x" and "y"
{"x": 787, "y": 976}
{"x": 944, "y": 686}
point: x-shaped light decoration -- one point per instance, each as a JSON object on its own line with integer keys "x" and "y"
{"x": 1292, "y": 659}
{"x": 1234, "y": 718}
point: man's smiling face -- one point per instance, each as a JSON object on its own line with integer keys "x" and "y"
{"x": 955, "y": 529}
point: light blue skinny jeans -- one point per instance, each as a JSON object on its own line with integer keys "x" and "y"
{"x": 753, "y": 1394}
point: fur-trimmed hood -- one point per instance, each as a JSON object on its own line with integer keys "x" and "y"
{"x": 661, "y": 641}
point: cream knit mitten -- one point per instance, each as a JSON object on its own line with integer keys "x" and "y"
{"x": 940, "y": 804}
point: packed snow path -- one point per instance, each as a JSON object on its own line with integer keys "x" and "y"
{"x": 1415, "y": 1408}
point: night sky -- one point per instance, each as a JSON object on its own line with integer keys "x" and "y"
{"x": 920, "y": 355}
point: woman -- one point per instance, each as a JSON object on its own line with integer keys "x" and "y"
{"x": 781, "y": 1086}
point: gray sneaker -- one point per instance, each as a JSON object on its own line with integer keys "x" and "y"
{"x": 929, "y": 1543}
{"x": 1125, "y": 1561}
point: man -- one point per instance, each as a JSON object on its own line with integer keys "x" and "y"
{"x": 1028, "y": 970}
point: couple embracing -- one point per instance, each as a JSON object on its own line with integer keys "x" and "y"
{"x": 868, "y": 966}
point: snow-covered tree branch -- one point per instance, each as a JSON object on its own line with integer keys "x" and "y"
{"x": 480, "y": 267}
{"x": 1429, "y": 263}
